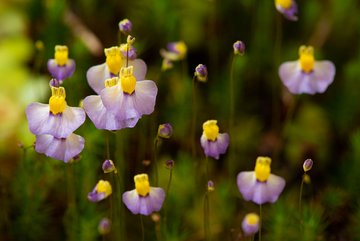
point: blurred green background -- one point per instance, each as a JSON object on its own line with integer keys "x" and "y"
{"x": 42, "y": 199}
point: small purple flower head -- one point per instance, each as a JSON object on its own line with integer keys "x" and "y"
{"x": 169, "y": 164}
{"x": 307, "y": 75}
{"x": 213, "y": 142}
{"x": 101, "y": 191}
{"x": 61, "y": 67}
{"x": 175, "y": 51}
{"x": 165, "y": 131}
{"x": 210, "y": 186}
{"x": 144, "y": 199}
{"x": 64, "y": 149}
{"x": 125, "y": 26}
{"x": 201, "y": 73}
{"x": 104, "y": 226}
{"x": 250, "y": 224}
{"x": 128, "y": 51}
{"x": 308, "y": 163}
{"x": 288, "y": 8}
{"x": 260, "y": 186}
{"x": 239, "y": 48}
{"x": 56, "y": 118}
{"x": 108, "y": 166}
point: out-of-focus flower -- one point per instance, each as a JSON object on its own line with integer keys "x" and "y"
{"x": 213, "y": 142}
{"x": 250, "y": 224}
{"x": 308, "y": 163}
{"x": 125, "y": 26}
{"x": 122, "y": 102}
{"x": 101, "y": 191}
{"x": 307, "y": 75}
{"x": 288, "y": 8}
{"x": 144, "y": 199}
{"x": 109, "y": 166}
{"x": 115, "y": 60}
{"x": 165, "y": 130}
{"x": 104, "y": 226}
{"x": 169, "y": 164}
{"x": 166, "y": 64}
{"x": 63, "y": 149}
{"x": 201, "y": 73}
{"x": 61, "y": 67}
{"x": 128, "y": 51}
{"x": 175, "y": 51}
{"x": 56, "y": 118}
{"x": 239, "y": 48}
{"x": 260, "y": 186}
{"x": 210, "y": 186}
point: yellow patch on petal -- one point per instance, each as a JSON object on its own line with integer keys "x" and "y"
{"x": 262, "y": 168}
{"x": 127, "y": 80}
{"x": 104, "y": 187}
{"x": 111, "y": 82}
{"x": 57, "y": 101}
{"x": 286, "y": 4}
{"x": 61, "y": 54}
{"x": 113, "y": 59}
{"x": 142, "y": 184}
{"x": 252, "y": 219}
{"x": 307, "y": 60}
{"x": 211, "y": 130}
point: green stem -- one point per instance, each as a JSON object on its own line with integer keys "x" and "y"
{"x": 142, "y": 228}
{"x": 73, "y": 219}
{"x": 300, "y": 199}
{"x": 107, "y": 144}
{"x": 206, "y": 217}
{"x": 156, "y": 142}
{"x": 193, "y": 120}
{"x": 231, "y": 94}
{"x": 261, "y": 221}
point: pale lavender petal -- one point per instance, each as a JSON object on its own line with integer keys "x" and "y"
{"x": 217, "y": 147}
{"x": 246, "y": 182}
{"x": 96, "y": 77}
{"x": 41, "y": 121}
{"x": 140, "y": 68}
{"x": 61, "y": 72}
{"x": 102, "y": 118}
{"x": 289, "y": 13}
{"x": 95, "y": 196}
{"x": 131, "y": 200}
{"x": 144, "y": 97}
{"x": 59, "y": 148}
{"x": 314, "y": 82}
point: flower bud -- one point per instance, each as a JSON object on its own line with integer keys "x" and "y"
{"x": 210, "y": 186}
{"x": 239, "y": 48}
{"x": 250, "y": 224}
{"x": 108, "y": 166}
{"x": 308, "y": 163}
{"x": 165, "y": 130}
{"x": 201, "y": 73}
{"x": 104, "y": 226}
{"x": 125, "y": 26}
{"x": 169, "y": 164}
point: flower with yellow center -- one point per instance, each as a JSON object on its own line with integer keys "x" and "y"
{"x": 101, "y": 191}
{"x": 142, "y": 184}
{"x": 250, "y": 223}
{"x": 262, "y": 168}
{"x": 306, "y": 58}
{"x": 286, "y": 4}
{"x": 288, "y": 8}
{"x": 61, "y": 55}
{"x": 57, "y": 103}
{"x": 211, "y": 130}
{"x": 127, "y": 80}
{"x": 113, "y": 59}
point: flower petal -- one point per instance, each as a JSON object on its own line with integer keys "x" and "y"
{"x": 59, "y": 148}
{"x": 153, "y": 201}
{"x": 246, "y": 182}
{"x": 215, "y": 148}
{"x": 144, "y": 97}
{"x": 61, "y": 72}
{"x": 131, "y": 200}
{"x": 289, "y": 13}
{"x": 96, "y": 77}
{"x": 140, "y": 68}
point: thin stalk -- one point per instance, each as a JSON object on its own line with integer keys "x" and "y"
{"x": 206, "y": 217}
{"x": 231, "y": 94}
{"x": 142, "y": 228}
{"x": 260, "y": 207}
{"x": 193, "y": 120}
{"x": 156, "y": 142}
{"x": 300, "y": 199}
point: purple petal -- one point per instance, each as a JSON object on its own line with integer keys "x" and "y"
{"x": 289, "y": 13}
{"x": 144, "y": 205}
{"x": 61, "y": 72}
{"x": 59, "y": 148}
{"x": 41, "y": 121}
{"x": 102, "y": 118}
{"x": 95, "y": 196}
{"x": 96, "y": 77}
{"x": 144, "y": 97}
{"x": 215, "y": 148}
{"x": 140, "y": 68}
{"x": 260, "y": 192}
{"x": 299, "y": 82}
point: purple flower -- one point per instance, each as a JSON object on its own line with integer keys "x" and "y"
{"x": 108, "y": 166}
{"x": 104, "y": 226}
{"x": 307, "y": 165}
{"x": 56, "y": 118}
{"x": 115, "y": 60}
{"x": 165, "y": 130}
{"x": 125, "y": 26}
{"x": 307, "y": 75}
{"x": 260, "y": 186}
{"x": 239, "y": 48}
{"x": 288, "y": 8}
{"x": 101, "y": 191}
{"x": 143, "y": 199}
{"x": 175, "y": 51}
{"x": 63, "y": 149}
{"x": 250, "y": 224}
{"x": 201, "y": 73}
{"x": 61, "y": 67}
{"x": 213, "y": 142}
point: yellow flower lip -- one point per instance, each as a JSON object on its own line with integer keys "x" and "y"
{"x": 127, "y": 79}
{"x": 211, "y": 130}
{"x": 61, "y": 54}
{"x": 142, "y": 185}
{"x": 262, "y": 168}
{"x": 111, "y": 82}
{"x": 104, "y": 187}
{"x": 306, "y": 58}
{"x": 57, "y": 103}
{"x": 286, "y": 4}
{"x": 113, "y": 59}
{"x": 252, "y": 219}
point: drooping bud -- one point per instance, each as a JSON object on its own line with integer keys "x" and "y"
{"x": 108, "y": 166}
{"x": 104, "y": 226}
{"x": 239, "y": 48}
{"x": 125, "y": 26}
{"x": 201, "y": 73}
{"x": 308, "y": 163}
{"x": 165, "y": 130}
